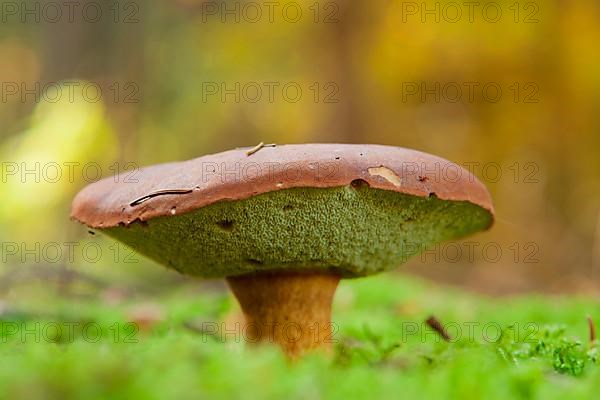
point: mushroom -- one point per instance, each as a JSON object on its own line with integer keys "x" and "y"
{"x": 283, "y": 224}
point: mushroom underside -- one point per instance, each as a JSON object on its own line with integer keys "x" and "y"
{"x": 349, "y": 231}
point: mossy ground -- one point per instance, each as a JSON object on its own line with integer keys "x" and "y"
{"x": 383, "y": 348}
{"x": 353, "y": 230}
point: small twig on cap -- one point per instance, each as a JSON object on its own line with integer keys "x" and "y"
{"x": 592, "y": 330}
{"x": 258, "y": 147}
{"x": 159, "y": 193}
{"x": 437, "y": 326}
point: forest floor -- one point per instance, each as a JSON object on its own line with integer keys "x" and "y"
{"x": 172, "y": 344}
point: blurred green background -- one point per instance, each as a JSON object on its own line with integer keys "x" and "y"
{"x": 369, "y": 72}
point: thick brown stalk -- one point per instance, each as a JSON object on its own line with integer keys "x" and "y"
{"x": 292, "y": 310}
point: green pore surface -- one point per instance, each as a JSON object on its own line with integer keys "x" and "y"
{"x": 354, "y": 231}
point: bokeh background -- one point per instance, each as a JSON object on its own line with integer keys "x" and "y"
{"x": 369, "y": 72}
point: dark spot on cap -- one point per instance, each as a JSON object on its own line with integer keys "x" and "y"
{"x": 135, "y": 221}
{"x": 359, "y": 183}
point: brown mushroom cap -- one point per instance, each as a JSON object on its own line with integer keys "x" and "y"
{"x": 348, "y": 210}
{"x": 181, "y": 187}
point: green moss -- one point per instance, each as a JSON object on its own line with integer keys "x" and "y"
{"x": 354, "y": 231}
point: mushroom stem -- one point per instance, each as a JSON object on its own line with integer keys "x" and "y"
{"x": 292, "y": 310}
